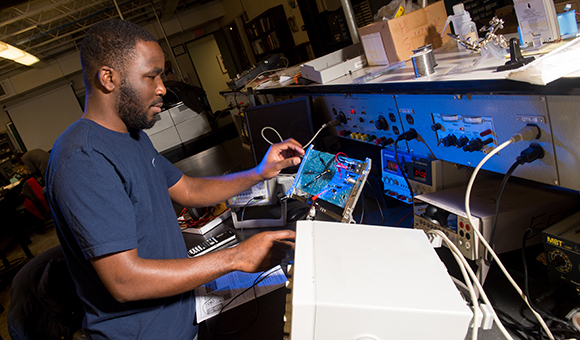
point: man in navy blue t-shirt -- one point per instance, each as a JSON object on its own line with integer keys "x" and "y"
{"x": 110, "y": 193}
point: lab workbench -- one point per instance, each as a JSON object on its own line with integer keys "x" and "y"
{"x": 270, "y": 308}
{"x": 459, "y": 101}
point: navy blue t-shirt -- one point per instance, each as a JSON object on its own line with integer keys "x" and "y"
{"x": 108, "y": 192}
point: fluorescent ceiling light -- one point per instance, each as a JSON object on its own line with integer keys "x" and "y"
{"x": 11, "y": 52}
{"x": 8, "y": 51}
{"x": 27, "y": 60}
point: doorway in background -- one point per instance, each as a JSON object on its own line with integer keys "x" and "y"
{"x": 210, "y": 68}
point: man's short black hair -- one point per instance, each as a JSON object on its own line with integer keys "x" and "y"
{"x": 112, "y": 43}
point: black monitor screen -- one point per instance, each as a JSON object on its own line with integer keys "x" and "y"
{"x": 291, "y": 118}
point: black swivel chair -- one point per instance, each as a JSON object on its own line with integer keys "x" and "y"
{"x": 43, "y": 300}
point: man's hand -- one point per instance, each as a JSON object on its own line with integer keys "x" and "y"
{"x": 263, "y": 251}
{"x": 129, "y": 277}
{"x": 279, "y": 156}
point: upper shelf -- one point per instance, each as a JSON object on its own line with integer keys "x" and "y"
{"x": 481, "y": 79}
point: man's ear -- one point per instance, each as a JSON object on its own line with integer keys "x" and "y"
{"x": 107, "y": 78}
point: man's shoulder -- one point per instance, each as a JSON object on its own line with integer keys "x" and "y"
{"x": 86, "y": 138}
{"x": 81, "y": 137}
{"x": 73, "y": 137}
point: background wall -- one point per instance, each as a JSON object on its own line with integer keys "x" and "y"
{"x": 205, "y": 22}
{"x": 40, "y": 120}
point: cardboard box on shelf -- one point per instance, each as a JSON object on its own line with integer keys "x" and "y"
{"x": 389, "y": 41}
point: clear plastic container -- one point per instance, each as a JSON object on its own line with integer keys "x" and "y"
{"x": 568, "y": 25}
{"x": 463, "y": 26}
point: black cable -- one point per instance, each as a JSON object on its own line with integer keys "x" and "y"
{"x": 525, "y": 264}
{"x": 497, "y": 204}
{"x": 403, "y": 172}
{"x": 509, "y": 322}
{"x": 242, "y": 218}
{"x": 528, "y": 155}
{"x": 256, "y": 282}
{"x": 252, "y": 200}
{"x": 407, "y": 135}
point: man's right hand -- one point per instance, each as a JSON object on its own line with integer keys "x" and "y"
{"x": 129, "y": 277}
{"x": 263, "y": 251}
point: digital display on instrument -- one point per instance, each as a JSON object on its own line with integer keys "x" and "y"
{"x": 420, "y": 173}
{"x": 392, "y": 166}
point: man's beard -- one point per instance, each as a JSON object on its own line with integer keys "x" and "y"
{"x": 132, "y": 113}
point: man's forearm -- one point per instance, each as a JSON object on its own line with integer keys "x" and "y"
{"x": 129, "y": 277}
{"x": 208, "y": 191}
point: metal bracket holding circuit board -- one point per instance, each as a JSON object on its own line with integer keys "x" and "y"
{"x": 330, "y": 183}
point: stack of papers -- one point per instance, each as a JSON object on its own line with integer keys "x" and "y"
{"x": 211, "y": 298}
{"x": 558, "y": 63}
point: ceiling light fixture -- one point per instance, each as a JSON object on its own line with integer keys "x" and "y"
{"x": 27, "y": 60}
{"x": 13, "y": 53}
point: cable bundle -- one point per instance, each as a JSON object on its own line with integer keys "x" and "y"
{"x": 528, "y": 155}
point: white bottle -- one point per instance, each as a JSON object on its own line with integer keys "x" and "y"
{"x": 462, "y": 24}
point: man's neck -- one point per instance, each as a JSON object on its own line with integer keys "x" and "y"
{"x": 105, "y": 114}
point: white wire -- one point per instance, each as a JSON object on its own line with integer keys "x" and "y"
{"x": 270, "y": 128}
{"x": 315, "y": 135}
{"x": 472, "y": 179}
{"x": 281, "y": 139}
{"x": 469, "y": 285}
{"x": 482, "y": 293}
{"x": 488, "y": 247}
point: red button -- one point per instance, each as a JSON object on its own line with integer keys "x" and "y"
{"x": 467, "y": 227}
